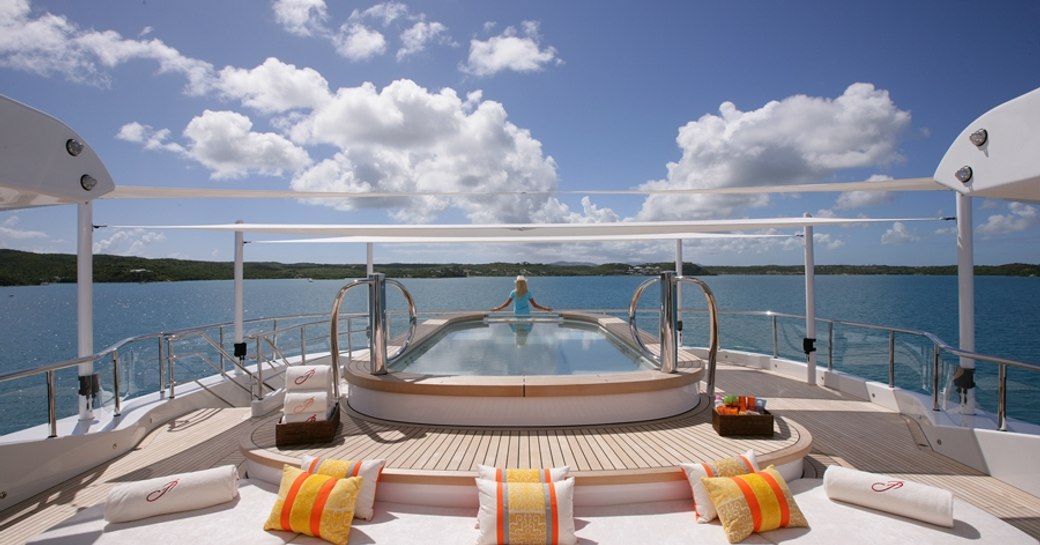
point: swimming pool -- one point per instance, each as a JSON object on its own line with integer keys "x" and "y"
{"x": 521, "y": 346}
{"x": 560, "y": 375}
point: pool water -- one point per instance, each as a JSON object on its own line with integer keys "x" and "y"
{"x": 521, "y": 347}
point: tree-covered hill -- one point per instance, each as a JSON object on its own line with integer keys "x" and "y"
{"x": 19, "y": 268}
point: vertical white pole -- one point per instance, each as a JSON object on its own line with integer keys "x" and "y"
{"x": 85, "y": 301}
{"x": 809, "y": 344}
{"x": 369, "y": 260}
{"x": 239, "y": 291}
{"x": 966, "y": 300}
{"x": 678, "y": 287}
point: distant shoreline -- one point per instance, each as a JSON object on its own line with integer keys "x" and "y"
{"x": 29, "y": 269}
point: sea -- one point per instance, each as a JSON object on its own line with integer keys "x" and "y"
{"x": 38, "y": 323}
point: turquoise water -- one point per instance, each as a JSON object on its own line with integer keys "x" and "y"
{"x": 38, "y": 322}
{"x": 521, "y": 347}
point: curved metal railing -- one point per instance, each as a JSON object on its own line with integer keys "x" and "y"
{"x": 377, "y": 324}
{"x": 669, "y": 324}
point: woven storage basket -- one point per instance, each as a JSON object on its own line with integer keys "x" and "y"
{"x": 747, "y": 424}
{"x": 302, "y": 433}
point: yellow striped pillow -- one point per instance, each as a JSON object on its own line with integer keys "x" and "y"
{"x": 368, "y": 470}
{"x": 523, "y": 475}
{"x": 526, "y": 513}
{"x": 753, "y": 502}
{"x": 724, "y": 467}
{"x": 315, "y": 505}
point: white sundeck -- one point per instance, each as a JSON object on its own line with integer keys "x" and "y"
{"x": 629, "y": 487}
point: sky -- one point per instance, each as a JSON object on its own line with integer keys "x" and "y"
{"x": 536, "y": 96}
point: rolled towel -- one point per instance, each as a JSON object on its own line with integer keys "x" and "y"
{"x": 884, "y": 493}
{"x": 172, "y": 494}
{"x": 304, "y": 417}
{"x": 308, "y": 377}
{"x": 316, "y": 401}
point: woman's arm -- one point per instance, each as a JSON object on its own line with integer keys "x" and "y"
{"x": 540, "y": 307}
{"x": 503, "y": 305}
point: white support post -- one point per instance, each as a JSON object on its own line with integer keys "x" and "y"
{"x": 809, "y": 343}
{"x": 369, "y": 260}
{"x": 85, "y": 306}
{"x": 239, "y": 310}
{"x": 678, "y": 286}
{"x": 964, "y": 378}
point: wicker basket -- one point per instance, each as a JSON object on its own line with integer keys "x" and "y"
{"x": 728, "y": 425}
{"x": 303, "y": 433}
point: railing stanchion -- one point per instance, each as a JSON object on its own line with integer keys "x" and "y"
{"x": 169, "y": 361}
{"x": 1001, "y": 397}
{"x": 891, "y": 359}
{"x": 115, "y": 384}
{"x": 259, "y": 369}
{"x": 830, "y": 344}
{"x": 935, "y": 378}
{"x": 162, "y": 358}
{"x": 52, "y": 413}
{"x": 776, "y": 352}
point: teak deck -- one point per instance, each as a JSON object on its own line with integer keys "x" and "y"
{"x": 845, "y": 431}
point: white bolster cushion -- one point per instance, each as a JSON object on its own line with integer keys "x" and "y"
{"x": 306, "y": 402}
{"x": 308, "y": 377}
{"x": 884, "y": 493}
{"x": 171, "y": 494}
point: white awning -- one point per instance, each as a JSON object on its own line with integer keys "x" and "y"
{"x": 527, "y": 232}
{"x": 143, "y": 192}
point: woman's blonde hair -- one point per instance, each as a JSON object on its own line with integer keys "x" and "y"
{"x": 521, "y": 285}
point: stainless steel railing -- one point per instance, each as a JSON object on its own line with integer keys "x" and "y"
{"x": 939, "y": 350}
{"x": 305, "y": 335}
{"x": 177, "y": 350}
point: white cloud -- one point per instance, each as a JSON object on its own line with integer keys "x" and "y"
{"x": 225, "y": 143}
{"x": 405, "y": 138}
{"x": 795, "y": 140}
{"x": 826, "y": 241}
{"x": 148, "y": 137}
{"x": 357, "y": 38}
{"x": 301, "y": 17}
{"x": 510, "y": 51}
{"x": 51, "y": 45}
{"x": 358, "y": 42}
{"x": 9, "y": 231}
{"x": 415, "y": 38}
{"x": 1020, "y": 217}
{"x": 274, "y": 86}
{"x": 899, "y": 234}
{"x": 387, "y": 12}
{"x": 127, "y": 242}
{"x": 863, "y": 199}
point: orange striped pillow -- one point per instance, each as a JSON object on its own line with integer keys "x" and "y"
{"x": 315, "y": 505}
{"x": 526, "y": 513}
{"x": 753, "y": 502}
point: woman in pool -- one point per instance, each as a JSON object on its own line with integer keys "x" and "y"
{"x": 521, "y": 298}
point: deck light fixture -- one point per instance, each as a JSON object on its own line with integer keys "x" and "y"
{"x": 963, "y": 174}
{"x": 979, "y": 138}
{"x": 87, "y": 182}
{"x": 74, "y": 147}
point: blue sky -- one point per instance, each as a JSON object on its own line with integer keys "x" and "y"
{"x": 533, "y": 96}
